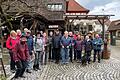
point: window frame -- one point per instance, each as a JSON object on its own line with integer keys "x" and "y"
{"x": 57, "y": 6}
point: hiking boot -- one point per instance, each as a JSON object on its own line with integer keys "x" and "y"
{"x": 34, "y": 67}
{"x": 98, "y": 61}
{"x": 28, "y": 71}
{"x": 37, "y": 67}
{"x": 22, "y": 76}
{"x": 14, "y": 78}
{"x": 13, "y": 71}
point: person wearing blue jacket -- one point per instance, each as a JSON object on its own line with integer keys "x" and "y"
{"x": 30, "y": 48}
{"x": 65, "y": 43}
{"x": 97, "y": 43}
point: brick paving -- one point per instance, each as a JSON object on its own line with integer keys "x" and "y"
{"x": 106, "y": 70}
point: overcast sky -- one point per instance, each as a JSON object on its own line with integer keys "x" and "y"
{"x": 102, "y": 7}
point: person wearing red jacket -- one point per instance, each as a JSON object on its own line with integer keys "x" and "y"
{"x": 21, "y": 56}
{"x": 10, "y": 44}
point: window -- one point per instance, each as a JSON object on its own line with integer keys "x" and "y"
{"x": 52, "y": 7}
{"x": 55, "y": 7}
{"x": 49, "y": 6}
{"x": 90, "y": 28}
{"x": 60, "y": 7}
{"x": 119, "y": 34}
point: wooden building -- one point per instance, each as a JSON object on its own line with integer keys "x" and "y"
{"x": 114, "y": 30}
{"x": 46, "y": 15}
{"x": 73, "y": 8}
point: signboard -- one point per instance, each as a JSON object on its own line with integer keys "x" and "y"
{"x": 53, "y": 26}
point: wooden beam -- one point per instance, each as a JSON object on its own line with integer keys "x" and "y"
{"x": 102, "y": 22}
{"x": 89, "y": 17}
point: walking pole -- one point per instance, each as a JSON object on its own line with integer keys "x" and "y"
{"x": 3, "y": 67}
{"x": 2, "y": 62}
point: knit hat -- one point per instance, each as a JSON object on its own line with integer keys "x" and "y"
{"x": 23, "y": 38}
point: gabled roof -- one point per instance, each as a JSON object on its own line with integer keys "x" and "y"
{"x": 75, "y": 7}
{"x": 115, "y": 25}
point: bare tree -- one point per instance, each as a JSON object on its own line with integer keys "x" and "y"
{"x": 5, "y": 5}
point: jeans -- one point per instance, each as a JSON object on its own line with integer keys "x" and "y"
{"x": 65, "y": 55}
{"x": 88, "y": 55}
{"x": 12, "y": 62}
{"x": 53, "y": 54}
{"x": 57, "y": 54}
{"x": 74, "y": 54}
{"x": 78, "y": 54}
{"x": 37, "y": 57}
{"x": 21, "y": 66}
{"x": 44, "y": 56}
{"x": 50, "y": 51}
{"x": 71, "y": 54}
{"x": 29, "y": 63}
{"x": 98, "y": 53}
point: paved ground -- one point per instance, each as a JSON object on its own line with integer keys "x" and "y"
{"x": 115, "y": 51}
{"x": 106, "y": 70}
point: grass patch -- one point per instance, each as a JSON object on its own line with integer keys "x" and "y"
{"x": 2, "y": 77}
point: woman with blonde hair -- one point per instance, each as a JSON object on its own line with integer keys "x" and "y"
{"x": 10, "y": 44}
{"x": 19, "y": 33}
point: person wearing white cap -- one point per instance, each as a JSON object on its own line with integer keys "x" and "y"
{"x": 30, "y": 48}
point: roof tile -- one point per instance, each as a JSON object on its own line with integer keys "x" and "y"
{"x": 73, "y": 6}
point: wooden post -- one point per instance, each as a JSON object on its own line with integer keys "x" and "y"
{"x": 2, "y": 62}
{"x": 105, "y": 53}
{"x": 103, "y": 28}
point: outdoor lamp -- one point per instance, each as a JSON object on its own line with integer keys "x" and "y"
{"x": 84, "y": 23}
{"x": 75, "y": 23}
{"x": 94, "y": 25}
{"x": 70, "y": 20}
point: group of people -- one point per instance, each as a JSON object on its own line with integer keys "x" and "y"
{"x": 69, "y": 45}
{"x": 26, "y": 51}
{"x": 29, "y": 51}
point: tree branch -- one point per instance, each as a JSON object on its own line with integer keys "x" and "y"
{"x": 1, "y": 11}
{"x": 25, "y": 3}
